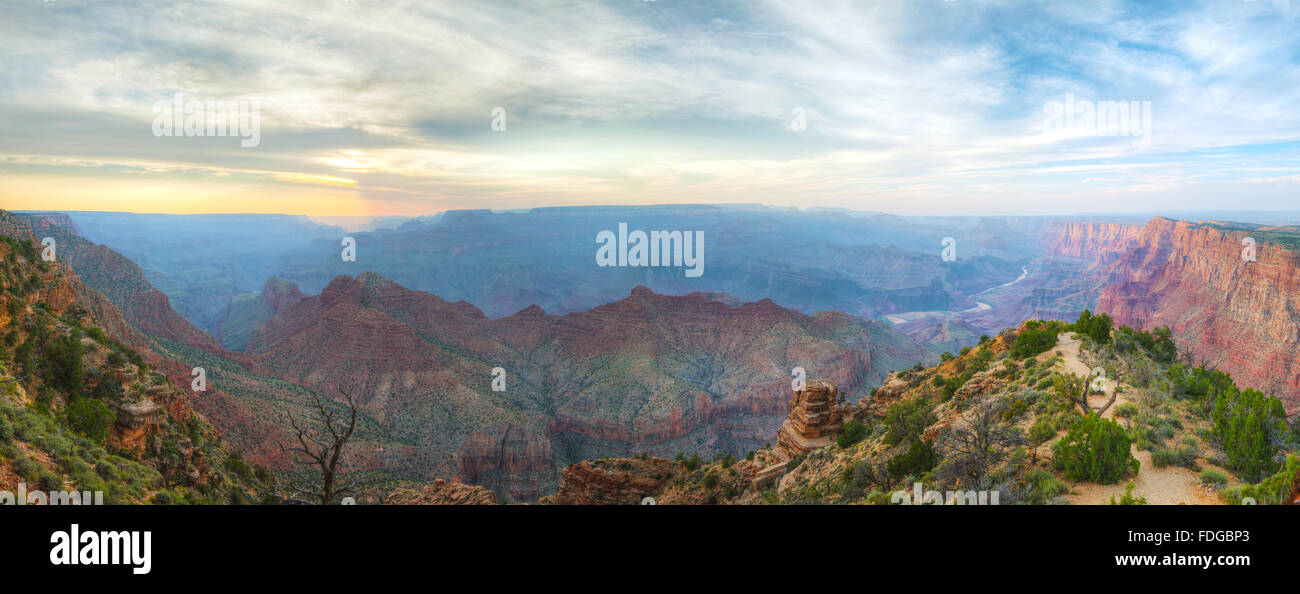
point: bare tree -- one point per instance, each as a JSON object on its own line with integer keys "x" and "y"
{"x": 978, "y": 442}
{"x": 323, "y": 449}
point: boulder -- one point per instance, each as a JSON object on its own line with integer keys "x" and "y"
{"x": 892, "y": 389}
{"x": 137, "y": 415}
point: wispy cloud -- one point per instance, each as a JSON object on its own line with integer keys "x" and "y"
{"x": 923, "y": 106}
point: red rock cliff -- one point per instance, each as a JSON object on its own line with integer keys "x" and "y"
{"x": 1243, "y": 317}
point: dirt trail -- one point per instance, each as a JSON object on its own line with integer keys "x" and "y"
{"x": 1171, "y": 485}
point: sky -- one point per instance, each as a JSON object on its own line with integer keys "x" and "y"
{"x": 367, "y": 108}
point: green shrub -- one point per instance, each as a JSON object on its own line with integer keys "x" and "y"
{"x": 48, "y": 481}
{"x": 918, "y": 458}
{"x": 1270, "y": 491}
{"x": 1128, "y": 498}
{"x": 1184, "y": 456}
{"x": 1042, "y": 431}
{"x": 90, "y": 418}
{"x": 908, "y": 419}
{"x": 1095, "y": 327}
{"x": 106, "y": 470}
{"x": 26, "y": 467}
{"x": 852, "y": 433}
{"x": 96, "y": 334}
{"x": 1043, "y": 486}
{"x": 1210, "y": 476}
{"x": 63, "y": 363}
{"x": 1034, "y": 341}
{"x": 1250, "y": 428}
{"x": 109, "y": 391}
{"x": 1097, "y": 450}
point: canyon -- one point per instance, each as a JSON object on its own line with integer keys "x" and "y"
{"x": 649, "y": 373}
{"x": 699, "y": 373}
{"x": 695, "y": 372}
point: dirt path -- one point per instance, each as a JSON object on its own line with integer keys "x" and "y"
{"x": 1171, "y": 485}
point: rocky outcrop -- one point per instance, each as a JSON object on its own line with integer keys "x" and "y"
{"x": 979, "y": 384}
{"x": 1240, "y": 316}
{"x": 509, "y": 460}
{"x": 813, "y": 421}
{"x": 442, "y": 492}
{"x": 892, "y": 389}
{"x": 137, "y": 415}
{"x": 135, "y": 422}
{"x": 613, "y": 481}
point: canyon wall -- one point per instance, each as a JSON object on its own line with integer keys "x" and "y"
{"x": 1236, "y": 315}
{"x": 1099, "y": 243}
{"x": 1240, "y": 316}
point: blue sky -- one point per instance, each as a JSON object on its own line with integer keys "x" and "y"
{"x": 917, "y": 107}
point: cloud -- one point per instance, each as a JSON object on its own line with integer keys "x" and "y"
{"x": 920, "y": 106}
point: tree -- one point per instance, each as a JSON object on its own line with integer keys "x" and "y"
{"x": 918, "y": 458}
{"x": 907, "y": 420}
{"x": 1251, "y": 427}
{"x": 979, "y": 442}
{"x": 90, "y": 418}
{"x": 1095, "y": 449}
{"x": 322, "y": 449}
{"x": 1074, "y": 389}
{"x": 63, "y": 364}
{"x": 1084, "y": 322}
{"x": 1099, "y": 328}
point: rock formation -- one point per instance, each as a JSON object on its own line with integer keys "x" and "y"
{"x": 616, "y": 481}
{"x": 136, "y": 415}
{"x": 441, "y": 492}
{"x": 813, "y": 421}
